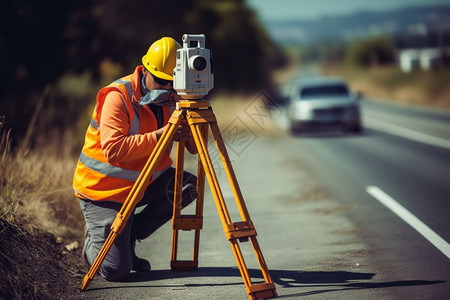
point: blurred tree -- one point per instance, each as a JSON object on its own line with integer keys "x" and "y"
{"x": 243, "y": 53}
{"x": 67, "y": 44}
{"x": 40, "y": 41}
{"x": 371, "y": 52}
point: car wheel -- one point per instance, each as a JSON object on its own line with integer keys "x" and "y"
{"x": 295, "y": 129}
{"x": 346, "y": 128}
{"x": 357, "y": 128}
{"x": 351, "y": 128}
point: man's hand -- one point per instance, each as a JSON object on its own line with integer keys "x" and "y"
{"x": 182, "y": 134}
{"x": 174, "y": 96}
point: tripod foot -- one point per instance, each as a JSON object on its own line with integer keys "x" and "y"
{"x": 183, "y": 265}
{"x": 86, "y": 283}
{"x": 262, "y": 291}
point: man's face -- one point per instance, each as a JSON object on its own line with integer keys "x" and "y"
{"x": 152, "y": 83}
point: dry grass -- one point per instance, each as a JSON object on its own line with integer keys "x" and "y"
{"x": 38, "y": 211}
{"x": 36, "y": 186}
{"x": 428, "y": 88}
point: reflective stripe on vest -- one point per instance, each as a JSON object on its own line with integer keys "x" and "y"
{"x": 136, "y": 121}
{"x": 107, "y": 169}
{"x": 94, "y": 124}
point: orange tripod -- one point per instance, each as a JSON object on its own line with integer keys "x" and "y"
{"x": 198, "y": 116}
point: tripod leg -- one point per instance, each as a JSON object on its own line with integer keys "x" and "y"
{"x": 138, "y": 188}
{"x": 177, "y": 198}
{"x": 234, "y": 231}
{"x": 200, "y": 195}
{"x": 218, "y": 197}
{"x": 239, "y": 199}
{"x": 187, "y": 222}
{"x": 200, "y": 117}
{"x": 230, "y": 172}
{"x": 134, "y": 196}
{"x": 210, "y": 174}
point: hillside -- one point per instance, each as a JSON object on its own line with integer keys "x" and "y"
{"x": 421, "y": 22}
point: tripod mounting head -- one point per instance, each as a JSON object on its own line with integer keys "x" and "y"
{"x": 193, "y": 74}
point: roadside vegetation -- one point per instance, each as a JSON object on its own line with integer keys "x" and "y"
{"x": 40, "y": 221}
{"x": 36, "y": 187}
{"x": 426, "y": 88}
{"x": 371, "y": 67}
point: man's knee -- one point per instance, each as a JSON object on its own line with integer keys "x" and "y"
{"x": 114, "y": 271}
{"x": 118, "y": 262}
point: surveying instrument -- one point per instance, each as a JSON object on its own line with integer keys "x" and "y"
{"x": 193, "y": 79}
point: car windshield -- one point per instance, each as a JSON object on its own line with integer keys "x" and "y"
{"x": 335, "y": 90}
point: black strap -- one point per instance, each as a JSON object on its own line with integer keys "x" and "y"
{"x": 158, "y": 112}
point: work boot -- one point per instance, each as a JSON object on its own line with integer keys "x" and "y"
{"x": 139, "y": 264}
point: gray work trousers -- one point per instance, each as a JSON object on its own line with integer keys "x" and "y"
{"x": 157, "y": 209}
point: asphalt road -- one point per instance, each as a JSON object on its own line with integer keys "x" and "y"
{"x": 404, "y": 153}
{"x": 316, "y": 202}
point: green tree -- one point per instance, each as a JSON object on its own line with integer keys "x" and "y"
{"x": 39, "y": 42}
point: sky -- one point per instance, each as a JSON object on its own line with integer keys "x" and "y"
{"x": 270, "y": 10}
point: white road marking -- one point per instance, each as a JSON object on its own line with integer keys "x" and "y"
{"x": 409, "y": 218}
{"x": 406, "y": 133}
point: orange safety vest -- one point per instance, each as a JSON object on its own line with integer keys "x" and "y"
{"x": 97, "y": 179}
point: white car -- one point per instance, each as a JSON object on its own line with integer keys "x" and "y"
{"x": 323, "y": 101}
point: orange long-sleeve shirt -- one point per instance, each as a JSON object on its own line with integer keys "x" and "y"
{"x": 117, "y": 145}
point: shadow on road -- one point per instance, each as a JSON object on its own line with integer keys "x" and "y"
{"x": 330, "y": 133}
{"x": 335, "y": 281}
{"x": 325, "y": 281}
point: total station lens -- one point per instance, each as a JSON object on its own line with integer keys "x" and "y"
{"x": 199, "y": 63}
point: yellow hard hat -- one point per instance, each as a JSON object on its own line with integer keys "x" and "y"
{"x": 160, "y": 59}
